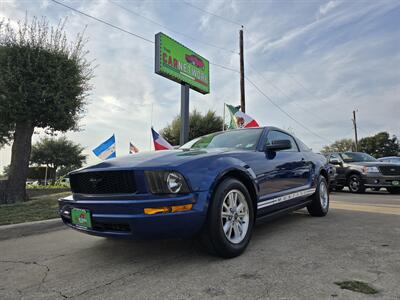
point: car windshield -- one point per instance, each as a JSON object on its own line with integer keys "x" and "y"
{"x": 356, "y": 157}
{"x": 244, "y": 139}
{"x": 391, "y": 159}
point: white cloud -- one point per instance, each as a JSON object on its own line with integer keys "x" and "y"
{"x": 346, "y": 56}
{"x": 327, "y": 7}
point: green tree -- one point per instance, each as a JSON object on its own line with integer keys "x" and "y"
{"x": 380, "y": 145}
{"x": 44, "y": 81}
{"x": 57, "y": 153}
{"x": 339, "y": 146}
{"x": 198, "y": 125}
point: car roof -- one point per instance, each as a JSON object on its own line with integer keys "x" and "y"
{"x": 338, "y": 152}
{"x": 264, "y": 127}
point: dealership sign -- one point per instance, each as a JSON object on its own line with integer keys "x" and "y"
{"x": 180, "y": 64}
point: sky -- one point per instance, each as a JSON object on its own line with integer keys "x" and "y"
{"x": 317, "y": 60}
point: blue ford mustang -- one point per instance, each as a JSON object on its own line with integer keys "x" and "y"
{"x": 213, "y": 187}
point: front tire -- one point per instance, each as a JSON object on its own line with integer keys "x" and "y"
{"x": 319, "y": 206}
{"x": 356, "y": 184}
{"x": 230, "y": 220}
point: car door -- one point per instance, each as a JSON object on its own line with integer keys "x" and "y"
{"x": 337, "y": 161}
{"x": 282, "y": 171}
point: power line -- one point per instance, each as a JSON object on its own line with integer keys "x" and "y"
{"x": 311, "y": 92}
{"x": 283, "y": 93}
{"x": 212, "y": 14}
{"x": 102, "y": 21}
{"x": 217, "y": 65}
{"x": 172, "y": 30}
{"x": 285, "y": 112}
{"x": 224, "y": 67}
{"x": 128, "y": 32}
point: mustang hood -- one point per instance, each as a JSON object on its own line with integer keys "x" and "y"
{"x": 162, "y": 159}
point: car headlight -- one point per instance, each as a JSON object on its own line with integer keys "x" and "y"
{"x": 370, "y": 170}
{"x": 166, "y": 182}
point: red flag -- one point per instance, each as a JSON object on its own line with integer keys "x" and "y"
{"x": 159, "y": 142}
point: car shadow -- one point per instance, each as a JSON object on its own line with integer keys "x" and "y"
{"x": 121, "y": 251}
{"x": 382, "y": 192}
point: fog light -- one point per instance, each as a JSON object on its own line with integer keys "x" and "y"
{"x": 65, "y": 213}
{"x": 167, "y": 209}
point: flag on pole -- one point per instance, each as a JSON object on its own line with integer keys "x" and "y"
{"x": 239, "y": 119}
{"x": 132, "y": 148}
{"x": 159, "y": 142}
{"x": 106, "y": 150}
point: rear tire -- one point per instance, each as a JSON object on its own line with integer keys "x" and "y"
{"x": 355, "y": 184}
{"x": 319, "y": 206}
{"x": 230, "y": 220}
{"x": 393, "y": 190}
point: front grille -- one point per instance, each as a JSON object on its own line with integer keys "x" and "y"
{"x": 118, "y": 227}
{"x": 390, "y": 170}
{"x": 107, "y": 182}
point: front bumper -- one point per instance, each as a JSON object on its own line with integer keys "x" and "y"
{"x": 126, "y": 218}
{"x": 377, "y": 180}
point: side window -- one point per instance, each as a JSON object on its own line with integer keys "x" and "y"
{"x": 278, "y": 135}
{"x": 335, "y": 157}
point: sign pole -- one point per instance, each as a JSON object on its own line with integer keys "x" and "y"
{"x": 184, "y": 132}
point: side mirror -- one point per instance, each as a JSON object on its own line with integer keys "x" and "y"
{"x": 335, "y": 161}
{"x": 278, "y": 145}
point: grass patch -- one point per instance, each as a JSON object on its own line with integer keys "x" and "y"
{"x": 39, "y": 208}
{"x": 357, "y": 286}
{"x": 46, "y": 187}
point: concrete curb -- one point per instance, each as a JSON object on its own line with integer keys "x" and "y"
{"x": 29, "y": 228}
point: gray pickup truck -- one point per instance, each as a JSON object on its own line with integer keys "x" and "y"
{"x": 359, "y": 171}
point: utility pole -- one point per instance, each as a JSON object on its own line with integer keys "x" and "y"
{"x": 355, "y": 129}
{"x": 242, "y": 95}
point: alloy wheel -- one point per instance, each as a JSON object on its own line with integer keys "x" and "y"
{"x": 354, "y": 184}
{"x": 323, "y": 195}
{"x": 235, "y": 216}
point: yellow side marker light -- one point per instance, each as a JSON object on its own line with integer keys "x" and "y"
{"x": 167, "y": 209}
{"x": 181, "y": 207}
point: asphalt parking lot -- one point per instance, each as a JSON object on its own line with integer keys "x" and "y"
{"x": 294, "y": 257}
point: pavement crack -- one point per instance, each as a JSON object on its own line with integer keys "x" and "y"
{"x": 125, "y": 276}
{"x": 61, "y": 294}
{"x": 46, "y": 267}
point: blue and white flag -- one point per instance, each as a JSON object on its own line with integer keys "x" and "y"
{"x": 106, "y": 150}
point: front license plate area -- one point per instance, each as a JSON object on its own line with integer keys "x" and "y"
{"x": 81, "y": 218}
{"x": 395, "y": 182}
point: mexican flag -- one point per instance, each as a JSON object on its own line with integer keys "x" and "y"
{"x": 239, "y": 119}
